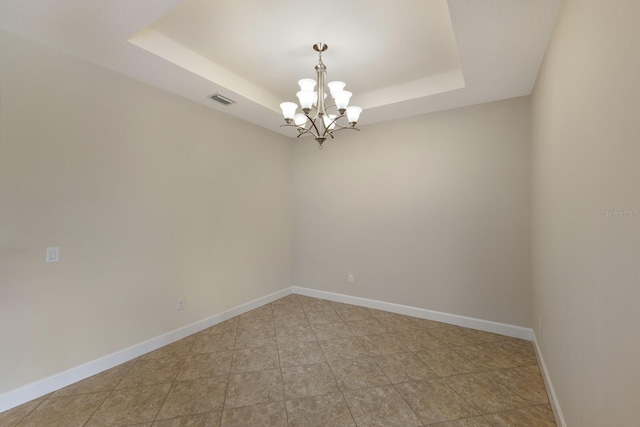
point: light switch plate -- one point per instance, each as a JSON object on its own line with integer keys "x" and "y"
{"x": 53, "y": 254}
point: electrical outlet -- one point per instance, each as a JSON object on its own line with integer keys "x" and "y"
{"x": 181, "y": 303}
{"x": 350, "y": 278}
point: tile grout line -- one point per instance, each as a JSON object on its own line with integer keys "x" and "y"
{"x": 174, "y": 380}
{"x": 111, "y": 391}
{"x": 284, "y": 397}
{"x": 335, "y": 379}
{"x": 233, "y": 353}
{"x": 33, "y": 410}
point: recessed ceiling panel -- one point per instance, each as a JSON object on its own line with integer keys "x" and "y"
{"x": 400, "y": 58}
{"x": 373, "y": 44}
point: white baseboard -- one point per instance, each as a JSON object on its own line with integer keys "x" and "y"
{"x": 44, "y": 386}
{"x": 555, "y": 405}
{"x": 452, "y": 319}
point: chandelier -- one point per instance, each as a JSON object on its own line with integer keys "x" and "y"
{"x": 314, "y": 119}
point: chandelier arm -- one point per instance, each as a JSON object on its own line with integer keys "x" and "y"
{"x": 333, "y": 122}
{"x": 302, "y": 132}
{"x": 313, "y": 125}
{"x": 345, "y": 128}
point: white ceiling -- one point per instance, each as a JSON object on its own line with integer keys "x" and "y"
{"x": 399, "y": 58}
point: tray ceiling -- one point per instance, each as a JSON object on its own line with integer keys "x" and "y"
{"x": 399, "y": 58}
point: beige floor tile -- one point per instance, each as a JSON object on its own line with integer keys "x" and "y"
{"x": 194, "y": 397}
{"x": 303, "y": 299}
{"x": 378, "y": 314}
{"x": 15, "y": 415}
{"x": 343, "y": 348}
{"x": 525, "y": 381}
{"x": 151, "y": 371}
{"x": 252, "y": 388}
{"x": 290, "y": 319}
{"x": 263, "y": 415}
{"x": 317, "y": 305}
{"x": 366, "y": 327}
{"x": 484, "y": 392}
{"x": 377, "y": 345}
{"x": 340, "y": 305}
{"x": 261, "y": 312}
{"x": 319, "y": 317}
{"x": 255, "y": 359}
{"x": 397, "y": 324}
{"x": 177, "y": 350}
{"x": 256, "y": 324}
{"x": 446, "y": 362}
{"x": 404, "y": 367}
{"x": 486, "y": 336}
{"x": 210, "y": 343}
{"x": 65, "y": 411}
{"x": 425, "y": 323}
{"x": 299, "y": 333}
{"x": 327, "y": 331}
{"x": 417, "y": 340}
{"x": 286, "y": 309}
{"x": 434, "y": 401}
{"x": 453, "y": 336}
{"x": 380, "y": 406}
{"x": 300, "y": 353}
{"x": 319, "y": 411}
{"x": 353, "y": 374}
{"x": 130, "y": 406}
{"x": 531, "y": 416}
{"x": 308, "y": 380}
{"x": 204, "y": 365}
{"x": 521, "y": 351}
{"x": 227, "y": 326}
{"x": 486, "y": 356}
{"x": 211, "y": 419}
{"x": 353, "y": 313}
{"x": 104, "y": 381}
{"x": 249, "y": 339}
{"x": 466, "y": 422}
{"x": 289, "y": 299}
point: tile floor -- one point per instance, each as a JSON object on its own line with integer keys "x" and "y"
{"x": 303, "y": 361}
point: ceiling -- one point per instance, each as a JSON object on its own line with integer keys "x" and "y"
{"x": 400, "y": 58}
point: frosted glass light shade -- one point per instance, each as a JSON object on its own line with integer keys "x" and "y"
{"x": 353, "y": 113}
{"x": 336, "y": 87}
{"x": 300, "y": 119}
{"x": 306, "y": 98}
{"x": 288, "y": 109}
{"x": 329, "y": 121}
{"x": 342, "y": 99}
{"x": 307, "y": 84}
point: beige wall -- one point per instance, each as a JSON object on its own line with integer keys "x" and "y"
{"x": 150, "y": 198}
{"x": 431, "y": 212}
{"x": 586, "y": 169}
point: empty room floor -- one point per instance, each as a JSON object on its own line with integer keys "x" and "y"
{"x": 303, "y": 361}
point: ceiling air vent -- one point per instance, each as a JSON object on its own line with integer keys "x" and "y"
{"x": 222, "y": 99}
